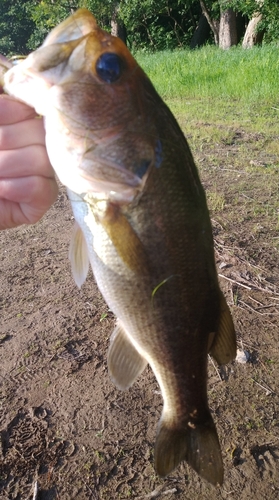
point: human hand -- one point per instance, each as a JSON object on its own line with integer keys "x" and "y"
{"x": 27, "y": 182}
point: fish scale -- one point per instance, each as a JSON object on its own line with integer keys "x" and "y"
{"x": 141, "y": 221}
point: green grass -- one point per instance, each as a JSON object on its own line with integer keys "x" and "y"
{"x": 209, "y": 72}
{"x": 232, "y": 86}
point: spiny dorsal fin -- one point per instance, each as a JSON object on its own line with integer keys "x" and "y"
{"x": 78, "y": 255}
{"x": 223, "y": 348}
{"x": 125, "y": 363}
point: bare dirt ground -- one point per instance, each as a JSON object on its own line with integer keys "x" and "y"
{"x": 65, "y": 429}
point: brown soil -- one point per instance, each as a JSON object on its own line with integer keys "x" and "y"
{"x": 65, "y": 429}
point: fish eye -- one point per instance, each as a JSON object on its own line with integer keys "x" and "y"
{"x": 109, "y": 67}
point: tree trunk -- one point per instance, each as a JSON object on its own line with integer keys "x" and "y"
{"x": 252, "y": 36}
{"x": 201, "y": 33}
{"x": 117, "y": 26}
{"x": 214, "y": 25}
{"x": 118, "y": 29}
{"x": 227, "y": 32}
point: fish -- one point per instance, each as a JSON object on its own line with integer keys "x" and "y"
{"x": 142, "y": 223}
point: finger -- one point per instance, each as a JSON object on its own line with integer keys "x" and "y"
{"x": 13, "y": 111}
{"x": 4, "y": 60}
{"x": 11, "y": 215}
{"x": 22, "y": 134}
{"x": 31, "y": 160}
{"x": 25, "y": 200}
{"x": 4, "y": 65}
{"x": 33, "y": 190}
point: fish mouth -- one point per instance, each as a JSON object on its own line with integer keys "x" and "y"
{"x": 107, "y": 189}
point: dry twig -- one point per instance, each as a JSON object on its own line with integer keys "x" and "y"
{"x": 215, "y": 368}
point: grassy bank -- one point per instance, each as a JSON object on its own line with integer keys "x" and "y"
{"x": 234, "y": 87}
{"x": 227, "y": 103}
{"x": 210, "y": 72}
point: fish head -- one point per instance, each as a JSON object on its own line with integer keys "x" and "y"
{"x": 89, "y": 88}
{"x": 73, "y": 47}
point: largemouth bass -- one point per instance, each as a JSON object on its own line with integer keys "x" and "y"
{"x": 141, "y": 221}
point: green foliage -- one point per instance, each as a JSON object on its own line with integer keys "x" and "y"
{"x": 159, "y": 24}
{"x": 16, "y": 26}
{"x": 270, "y": 22}
{"x": 46, "y": 14}
{"x": 246, "y": 7}
{"x": 151, "y": 24}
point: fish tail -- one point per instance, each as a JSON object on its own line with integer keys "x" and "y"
{"x": 197, "y": 443}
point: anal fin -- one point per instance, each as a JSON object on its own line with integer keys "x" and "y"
{"x": 125, "y": 363}
{"x": 223, "y": 347}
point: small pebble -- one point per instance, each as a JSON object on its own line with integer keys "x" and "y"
{"x": 223, "y": 265}
{"x": 242, "y": 356}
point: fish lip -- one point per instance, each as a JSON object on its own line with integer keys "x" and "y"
{"x": 18, "y": 77}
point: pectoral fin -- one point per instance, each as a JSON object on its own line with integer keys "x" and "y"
{"x": 223, "y": 347}
{"x": 126, "y": 241}
{"x": 125, "y": 364}
{"x": 78, "y": 255}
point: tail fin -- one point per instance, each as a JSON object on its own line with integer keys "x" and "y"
{"x": 198, "y": 444}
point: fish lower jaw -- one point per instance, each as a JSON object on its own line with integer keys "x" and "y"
{"x": 95, "y": 192}
{"x": 121, "y": 196}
